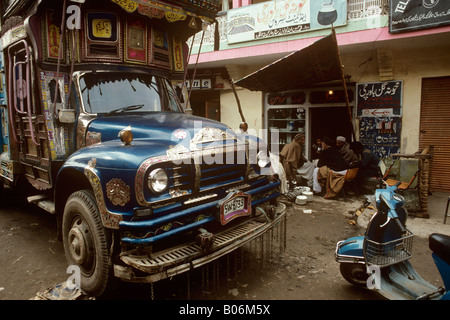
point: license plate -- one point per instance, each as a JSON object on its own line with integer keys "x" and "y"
{"x": 235, "y": 205}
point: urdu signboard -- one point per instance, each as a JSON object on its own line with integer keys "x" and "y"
{"x": 375, "y": 96}
{"x": 409, "y": 15}
{"x": 379, "y": 107}
{"x": 283, "y": 17}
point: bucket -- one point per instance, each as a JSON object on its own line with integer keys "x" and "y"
{"x": 301, "y": 200}
{"x": 309, "y": 195}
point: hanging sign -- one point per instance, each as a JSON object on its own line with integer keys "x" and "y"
{"x": 409, "y": 15}
{"x": 379, "y": 98}
{"x": 198, "y": 84}
{"x": 379, "y": 106}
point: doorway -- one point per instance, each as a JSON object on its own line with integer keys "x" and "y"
{"x": 330, "y": 122}
{"x": 206, "y": 104}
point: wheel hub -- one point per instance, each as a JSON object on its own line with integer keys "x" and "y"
{"x": 80, "y": 244}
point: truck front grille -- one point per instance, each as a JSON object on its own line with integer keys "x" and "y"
{"x": 225, "y": 170}
{"x": 192, "y": 176}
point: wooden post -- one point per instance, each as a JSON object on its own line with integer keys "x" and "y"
{"x": 424, "y": 181}
{"x": 237, "y": 100}
{"x": 341, "y": 68}
{"x": 188, "y": 109}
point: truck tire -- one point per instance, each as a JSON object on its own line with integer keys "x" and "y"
{"x": 86, "y": 242}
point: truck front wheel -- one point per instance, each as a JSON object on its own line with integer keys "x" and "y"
{"x": 86, "y": 242}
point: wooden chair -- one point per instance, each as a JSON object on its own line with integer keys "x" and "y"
{"x": 390, "y": 182}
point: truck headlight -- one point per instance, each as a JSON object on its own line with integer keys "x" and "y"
{"x": 158, "y": 180}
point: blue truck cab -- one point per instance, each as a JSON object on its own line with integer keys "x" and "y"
{"x": 141, "y": 190}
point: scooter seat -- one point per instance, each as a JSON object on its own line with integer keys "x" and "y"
{"x": 440, "y": 245}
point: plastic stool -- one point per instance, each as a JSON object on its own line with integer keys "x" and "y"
{"x": 446, "y": 210}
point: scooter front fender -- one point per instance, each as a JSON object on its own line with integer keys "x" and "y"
{"x": 350, "y": 250}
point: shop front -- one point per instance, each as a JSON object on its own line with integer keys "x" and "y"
{"x": 396, "y": 90}
{"x": 316, "y": 112}
{"x": 305, "y": 92}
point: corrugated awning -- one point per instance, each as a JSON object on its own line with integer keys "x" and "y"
{"x": 314, "y": 64}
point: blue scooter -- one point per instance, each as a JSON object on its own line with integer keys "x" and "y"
{"x": 380, "y": 259}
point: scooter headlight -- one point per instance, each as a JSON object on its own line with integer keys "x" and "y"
{"x": 158, "y": 180}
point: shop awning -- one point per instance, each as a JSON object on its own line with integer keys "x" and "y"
{"x": 314, "y": 64}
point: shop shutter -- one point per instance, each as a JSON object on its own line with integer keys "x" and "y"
{"x": 435, "y": 129}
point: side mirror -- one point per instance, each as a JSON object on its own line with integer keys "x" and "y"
{"x": 66, "y": 115}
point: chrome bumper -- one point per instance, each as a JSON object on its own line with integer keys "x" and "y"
{"x": 174, "y": 261}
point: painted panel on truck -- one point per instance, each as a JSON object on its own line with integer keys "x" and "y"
{"x": 6, "y": 169}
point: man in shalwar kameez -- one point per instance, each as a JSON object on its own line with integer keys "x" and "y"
{"x": 295, "y": 163}
{"x": 330, "y": 171}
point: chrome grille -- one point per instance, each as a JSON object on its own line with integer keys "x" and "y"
{"x": 181, "y": 177}
{"x": 227, "y": 168}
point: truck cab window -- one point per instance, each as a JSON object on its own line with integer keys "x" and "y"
{"x": 113, "y": 92}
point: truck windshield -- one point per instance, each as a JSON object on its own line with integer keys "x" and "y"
{"x": 111, "y": 93}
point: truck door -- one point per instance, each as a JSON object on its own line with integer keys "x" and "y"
{"x": 28, "y": 131}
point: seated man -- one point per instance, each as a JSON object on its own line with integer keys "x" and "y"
{"x": 294, "y": 163}
{"x": 330, "y": 171}
{"x": 344, "y": 149}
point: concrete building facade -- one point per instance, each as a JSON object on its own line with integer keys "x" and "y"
{"x": 396, "y": 62}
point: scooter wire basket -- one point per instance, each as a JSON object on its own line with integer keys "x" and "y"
{"x": 389, "y": 253}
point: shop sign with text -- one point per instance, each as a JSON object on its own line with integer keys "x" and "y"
{"x": 409, "y": 15}
{"x": 279, "y": 18}
{"x": 375, "y": 98}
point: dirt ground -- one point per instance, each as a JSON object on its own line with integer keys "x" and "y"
{"x": 32, "y": 259}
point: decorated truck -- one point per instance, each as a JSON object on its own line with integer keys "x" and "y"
{"x": 93, "y": 132}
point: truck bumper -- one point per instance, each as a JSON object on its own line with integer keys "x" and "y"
{"x": 179, "y": 219}
{"x": 183, "y": 258}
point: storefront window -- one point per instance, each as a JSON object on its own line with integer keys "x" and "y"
{"x": 316, "y": 112}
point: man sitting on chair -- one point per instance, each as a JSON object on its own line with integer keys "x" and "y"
{"x": 330, "y": 171}
{"x": 344, "y": 149}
